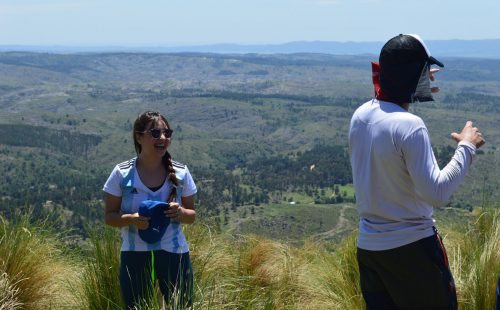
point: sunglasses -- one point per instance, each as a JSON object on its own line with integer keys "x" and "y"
{"x": 156, "y": 132}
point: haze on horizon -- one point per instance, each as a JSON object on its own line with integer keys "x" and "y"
{"x": 197, "y": 22}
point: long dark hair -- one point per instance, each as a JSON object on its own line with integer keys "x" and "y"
{"x": 140, "y": 125}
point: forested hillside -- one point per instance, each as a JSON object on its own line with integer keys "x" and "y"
{"x": 255, "y": 130}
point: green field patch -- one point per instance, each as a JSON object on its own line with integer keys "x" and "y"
{"x": 289, "y": 222}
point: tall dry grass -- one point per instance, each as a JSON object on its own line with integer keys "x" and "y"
{"x": 475, "y": 261}
{"x": 334, "y": 277}
{"x": 33, "y": 268}
{"x": 243, "y": 272}
{"x": 250, "y": 272}
{"x": 99, "y": 286}
{"x": 231, "y": 271}
{"x": 8, "y": 294}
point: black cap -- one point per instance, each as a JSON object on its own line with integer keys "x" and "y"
{"x": 404, "y": 65}
{"x": 406, "y": 48}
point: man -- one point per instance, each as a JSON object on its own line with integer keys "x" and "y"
{"x": 402, "y": 261}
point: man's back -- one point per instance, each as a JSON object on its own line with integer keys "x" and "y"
{"x": 401, "y": 257}
{"x": 392, "y": 212}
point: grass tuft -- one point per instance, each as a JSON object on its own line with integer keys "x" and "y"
{"x": 476, "y": 261}
{"x": 8, "y": 294}
{"x": 99, "y": 283}
{"x": 332, "y": 279}
{"x": 33, "y": 268}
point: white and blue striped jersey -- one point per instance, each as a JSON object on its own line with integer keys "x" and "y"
{"x": 125, "y": 182}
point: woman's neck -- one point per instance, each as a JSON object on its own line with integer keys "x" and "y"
{"x": 149, "y": 163}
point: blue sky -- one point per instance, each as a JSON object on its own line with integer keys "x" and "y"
{"x": 195, "y": 22}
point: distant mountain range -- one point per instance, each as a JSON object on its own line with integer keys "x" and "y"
{"x": 439, "y": 48}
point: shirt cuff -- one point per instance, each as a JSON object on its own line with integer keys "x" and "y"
{"x": 468, "y": 145}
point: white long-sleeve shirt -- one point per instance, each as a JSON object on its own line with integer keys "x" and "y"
{"x": 396, "y": 176}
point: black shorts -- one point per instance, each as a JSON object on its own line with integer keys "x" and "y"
{"x": 173, "y": 272}
{"x": 414, "y": 276}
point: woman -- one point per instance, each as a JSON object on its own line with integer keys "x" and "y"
{"x": 152, "y": 176}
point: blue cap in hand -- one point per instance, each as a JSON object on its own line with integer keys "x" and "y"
{"x": 158, "y": 222}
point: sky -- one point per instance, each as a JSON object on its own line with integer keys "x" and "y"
{"x": 200, "y": 22}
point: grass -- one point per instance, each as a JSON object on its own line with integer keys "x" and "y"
{"x": 244, "y": 272}
{"x": 347, "y": 189}
{"x": 100, "y": 287}
{"x": 476, "y": 261}
{"x": 335, "y": 277}
{"x": 284, "y": 222}
{"x": 231, "y": 271}
{"x": 8, "y": 294}
{"x": 33, "y": 270}
{"x": 252, "y": 272}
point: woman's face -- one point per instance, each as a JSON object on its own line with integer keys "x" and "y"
{"x": 155, "y": 139}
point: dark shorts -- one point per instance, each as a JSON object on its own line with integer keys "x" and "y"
{"x": 414, "y": 276}
{"x": 173, "y": 272}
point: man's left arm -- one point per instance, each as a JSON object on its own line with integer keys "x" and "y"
{"x": 434, "y": 185}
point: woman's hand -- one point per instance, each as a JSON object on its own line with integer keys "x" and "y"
{"x": 183, "y": 214}
{"x": 114, "y": 217}
{"x": 174, "y": 211}
{"x": 141, "y": 222}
